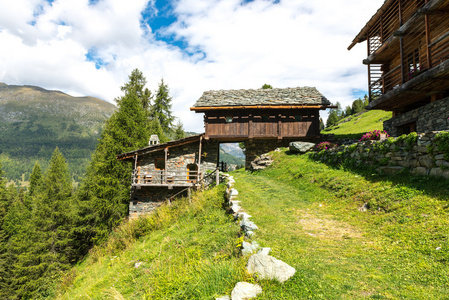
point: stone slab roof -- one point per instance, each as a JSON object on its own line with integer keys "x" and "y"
{"x": 286, "y": 96}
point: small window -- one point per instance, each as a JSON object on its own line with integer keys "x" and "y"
{"x": 298, "y": 118}
{"x": 228, "y": 119}
{"x": 265, "y": 118}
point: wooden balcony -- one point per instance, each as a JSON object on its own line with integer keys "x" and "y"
{"x": 167, "y": 178}
{"x": 404, "y": 44}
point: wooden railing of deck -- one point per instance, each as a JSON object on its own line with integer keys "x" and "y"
{"x": 162, "y": 177}
{"x": 421, "y": 40}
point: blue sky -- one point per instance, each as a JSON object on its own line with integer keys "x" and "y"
{"x": 89, "y": 47}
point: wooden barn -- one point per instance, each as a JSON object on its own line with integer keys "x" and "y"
{"x": 408, "y": 64}
{"x": 264, "y": 119}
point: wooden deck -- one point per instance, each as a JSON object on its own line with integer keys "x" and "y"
{"x": 166, "y": 178}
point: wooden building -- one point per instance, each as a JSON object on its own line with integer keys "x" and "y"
{"x": 238, "y": 115}
{"x": 264, "y": 119}
{"x": 161, "y": 171}
{"x": 408, "y": 63}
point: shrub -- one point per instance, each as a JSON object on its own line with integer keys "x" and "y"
{"x": 373, "y": 135}
{"x": 325, "y": 146}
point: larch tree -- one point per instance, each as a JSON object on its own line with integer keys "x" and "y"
{"x": 103, "y": 196}
{"x": 35, "y": 179}
{"x": 5, "y": 271}
{"x": 49, "y": 236}
{"x": 179, "y": 132}
{"x": 161, "y": 108}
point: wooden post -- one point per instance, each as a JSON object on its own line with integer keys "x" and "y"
{"x": 135, "y": 169}
{"x": 428, "y": 54}
{"x": 188, "y": 195}
{"x": 165, "y": 164}
{"x": 250, "y": 126}
{"x": 369, "y": 71}
{"x": 217, "y": 177}
{"x": 199, "y": 159}
{"x": 280, "y": 127}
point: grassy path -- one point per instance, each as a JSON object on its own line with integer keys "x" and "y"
{"x": 313, "y": 223}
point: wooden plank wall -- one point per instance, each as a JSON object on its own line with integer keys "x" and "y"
{"x": 263, "y": 124}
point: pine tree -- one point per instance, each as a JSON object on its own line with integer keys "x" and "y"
{"x": 179, "y": 131}
{"x": 348, "y": 111}
{"x": 161, "y": 109}
{"x": 49, "y": 236}
{"x": 137, "y": 84}
{"x": 35, "y": 178}
{"x": 365, "y": 100}
{"x": 104, "y": 194}
{"x": 357, "y": 106}
{"x": 5, "y": 271}
{"x": 18, "y": 226}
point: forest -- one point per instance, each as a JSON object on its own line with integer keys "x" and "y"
{"x": 50, "y": 226}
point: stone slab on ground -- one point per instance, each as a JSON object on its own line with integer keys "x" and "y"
{"x": 268, "y": 267}
{"x": 300, "y": 147}
{"x": 245, "y": 290}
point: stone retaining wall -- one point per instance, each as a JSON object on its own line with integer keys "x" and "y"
{"x": 433, "y": 116}
{"x": 417, "y": 153}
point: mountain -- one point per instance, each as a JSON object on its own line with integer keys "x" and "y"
{"x": 233, "y": 149}
{"x": 33, "y": 121}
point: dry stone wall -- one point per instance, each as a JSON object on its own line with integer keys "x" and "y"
{"x": 421, "y": 154}
{"x": 433, "y": 116}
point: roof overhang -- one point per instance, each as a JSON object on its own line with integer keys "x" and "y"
{"x": 362, "y": 35}
{"x": 129, "y": 156}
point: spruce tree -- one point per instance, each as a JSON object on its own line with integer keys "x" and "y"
{"x": 18, "y": 226}
{"x": 357, "y": 106}
{"x": 35, "y": 178}
{"x": 49, "y": 236}
{"x": 179, "y": 131}
{"x": 5, "y": 271}
{"x": 104, "y": 193}
{"x": 161, "y": 109}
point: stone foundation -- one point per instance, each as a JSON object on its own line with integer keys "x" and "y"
{"x": 146, "y": 199}
{"x": 431, "y": 117}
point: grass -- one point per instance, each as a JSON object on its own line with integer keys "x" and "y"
{"x": 309, "y": 214}
{"x": 356, "y": 125}
{"x": 186, "y": 251}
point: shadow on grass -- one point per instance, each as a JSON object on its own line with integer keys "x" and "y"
{"x": 431, "y": 186}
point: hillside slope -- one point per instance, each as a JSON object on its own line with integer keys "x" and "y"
{"x": 358, "y": 124}
{"x": 350, "y": 235}
{"x": 34, "y": 121}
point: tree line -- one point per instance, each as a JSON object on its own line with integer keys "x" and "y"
{"x": 337, "y": 114}
{"x": 47, "y": 228}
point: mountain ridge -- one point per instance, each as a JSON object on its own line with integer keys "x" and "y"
{"x": 34, "y": 121}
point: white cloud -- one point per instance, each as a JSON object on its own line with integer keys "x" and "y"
{"x": 292, "y": 43}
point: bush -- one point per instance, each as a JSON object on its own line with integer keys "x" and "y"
{"x": 325, "y": 146}
{"x": 373, "y": 135}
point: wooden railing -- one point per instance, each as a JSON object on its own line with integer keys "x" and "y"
{"x": 383, "y": 82}
{"x": 416, "y": 40}
{"x": 162, "y": 177}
